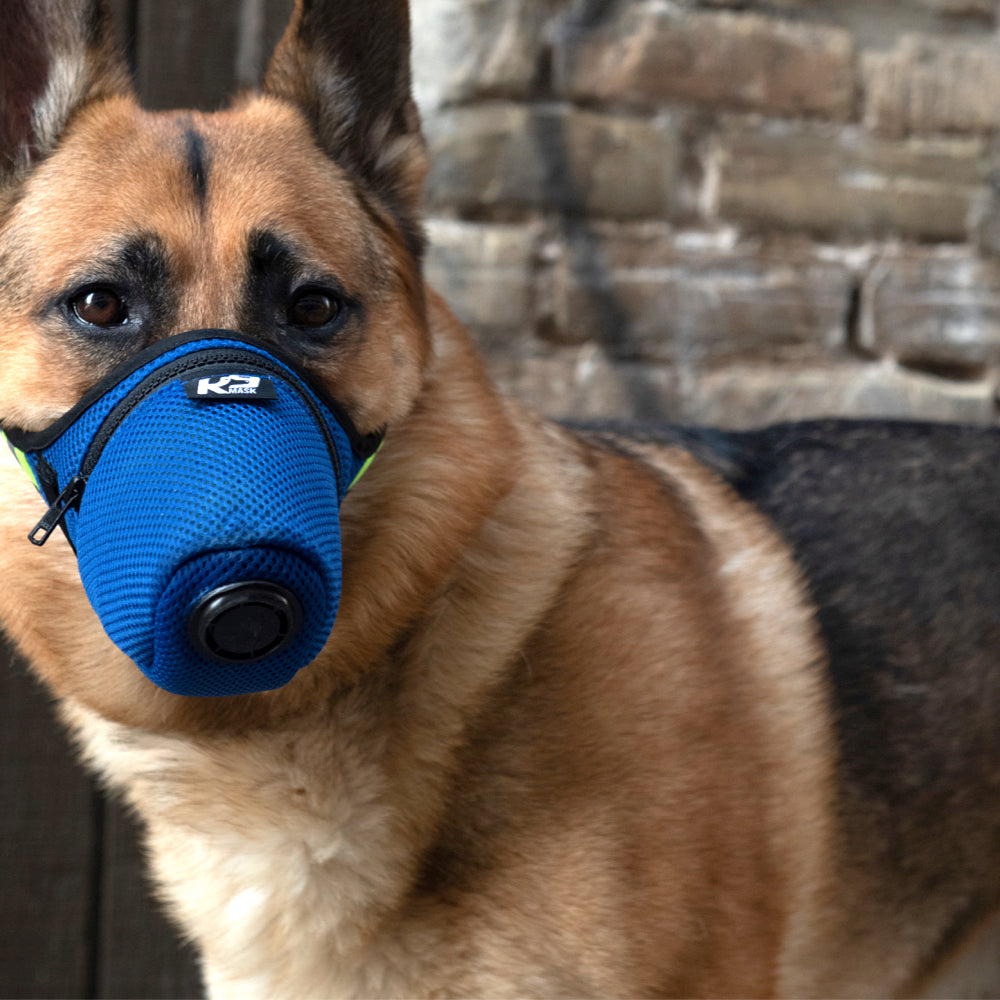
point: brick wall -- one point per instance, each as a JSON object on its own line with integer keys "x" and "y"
{"x": 720, "y": 212}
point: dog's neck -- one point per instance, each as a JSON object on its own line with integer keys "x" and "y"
{"x": 281, "y": 848}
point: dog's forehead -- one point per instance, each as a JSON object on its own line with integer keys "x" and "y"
{"x": 198, "y": 181}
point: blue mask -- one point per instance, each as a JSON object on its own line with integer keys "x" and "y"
{"x": 200, "y": 485}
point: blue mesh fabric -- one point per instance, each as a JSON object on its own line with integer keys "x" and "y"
{"x": 189, "y": 495}
{"x": 66, "y": 453}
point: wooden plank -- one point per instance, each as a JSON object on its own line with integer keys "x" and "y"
{"x": 76, "y": 919}
{"x": 195, "y": 54}
{"x": 140, "y": 953}
{"x": 184, "y": 53}
{"x": 260, "y": 26}
{"x": 276, "y": 17}
{"x": 124, "y": 12}
{"x": 48, "y": 862}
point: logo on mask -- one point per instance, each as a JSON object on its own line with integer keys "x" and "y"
{"x": 241, "y": 387}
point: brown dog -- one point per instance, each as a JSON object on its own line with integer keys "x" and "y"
{"x": 601, "y": 714}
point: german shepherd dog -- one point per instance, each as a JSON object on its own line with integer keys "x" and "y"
{"x": 672, "y": 712}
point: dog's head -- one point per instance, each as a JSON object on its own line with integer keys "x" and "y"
{"x": 291, "y": 217}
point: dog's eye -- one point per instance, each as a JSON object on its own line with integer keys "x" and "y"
{"x": 313, "y": 308}
{"x": 99, "y": 307}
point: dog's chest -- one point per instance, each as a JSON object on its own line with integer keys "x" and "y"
{"x": 280, "y": 857}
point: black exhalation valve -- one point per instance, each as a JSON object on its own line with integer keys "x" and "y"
{"x": 244, "y": 622}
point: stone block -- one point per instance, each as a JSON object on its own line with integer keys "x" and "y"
{"x": 645, "y": 295}
{"x": 467, "y": 49}
{"x": 512, "y": 158}
{"x": 581, "y": 382}
{"x": 982, "y": 9}
{"x": 933, "y": 309}
{"x": 930, "y": 85}
{"x": 985, "y": 220}
{"x": 655, "y": 52}
{"x": 844, "y": 182}
{"x": 485, "y": 273}
{"x": 753, "y": 397}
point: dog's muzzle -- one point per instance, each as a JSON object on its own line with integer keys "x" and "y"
{"x": 200, "y": 485}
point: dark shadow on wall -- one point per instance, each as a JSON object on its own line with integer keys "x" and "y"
{"x": 591, "y": 270}
{"x": 587, "y": 14}
{"x": 193, "y": 53}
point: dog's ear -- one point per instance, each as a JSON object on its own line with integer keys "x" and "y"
{"x": 346, "y": 64}
{"x": 55, "y": 56}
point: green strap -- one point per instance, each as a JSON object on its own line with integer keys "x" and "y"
{"x": 368, "y": 461}
{"x": 22, "y": 460}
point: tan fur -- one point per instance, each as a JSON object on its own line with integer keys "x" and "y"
{"x": 570, "y": 735}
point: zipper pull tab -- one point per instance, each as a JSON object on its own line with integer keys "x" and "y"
{"x": 69, "y": 498}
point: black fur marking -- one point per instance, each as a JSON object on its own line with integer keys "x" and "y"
{"x": 197, "y": 162}
{"x": 897, "y": 529}
{"x": 276, "y": 269}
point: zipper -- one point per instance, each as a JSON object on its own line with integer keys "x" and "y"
{"x": 72, "y": 494}
{"x": 68, "y": 500}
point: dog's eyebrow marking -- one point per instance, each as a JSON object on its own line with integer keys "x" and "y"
{"x": 138, "y": 260}
{"x": 197, "y": 161}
